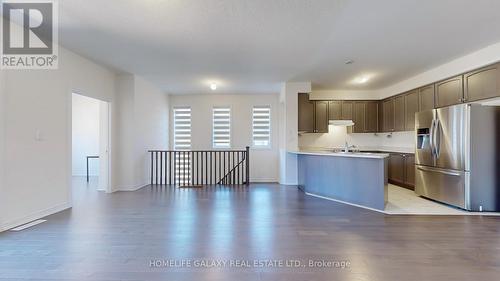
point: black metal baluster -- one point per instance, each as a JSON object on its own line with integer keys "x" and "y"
{"x": 161, "y": 166}
{"x": 156, "y": 167}
{"x": 169, "y": 167}
{"x": 247, "y": 165}
{"x": 151, "y": 167}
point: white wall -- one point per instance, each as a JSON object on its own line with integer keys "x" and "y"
{"x": 289, "y": 132}
{"x": 2, "y": 146}
{"x": 143, "y": 114}
{"x": 151, "y": 123}
{"x": 263, "y": 162}
{"x": 85, "y": 134}
{"x": 41, "y": 101}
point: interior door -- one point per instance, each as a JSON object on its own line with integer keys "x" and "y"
{"x": 450, "y": 137}
{"x": 424, "y": 126}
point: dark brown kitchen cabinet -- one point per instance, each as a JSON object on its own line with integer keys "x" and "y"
{"x": 371, "y": 117}
{"x": 347, "y": 110}
{"x": 388, "y": 115}
{"x": 402, "y": 169}
{"x": 335, "y": 110}
{"x": 411, "y": 107}
{"x": 449, "y": 92}
{"x": 426, "y": 97}
{"x": 320, "y": 116}
{"x": 396, "y": 168}
{"x": 365, "y": 117}
{"x": 482, "y": 83}
{"x": 313, "y": 115}
{"x": 306, "y": 114}
{"x": 399, "y": 113}
{"x": 359, "y": 117}
{"x": 410, "y": 170}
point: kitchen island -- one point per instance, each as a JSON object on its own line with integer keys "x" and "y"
{"x": 355, "y": 178}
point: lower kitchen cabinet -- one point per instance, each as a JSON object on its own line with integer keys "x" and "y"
{"x": 402, "y": 170}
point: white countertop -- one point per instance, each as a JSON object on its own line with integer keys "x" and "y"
{"x": 340, "y": 154}
{"x": 410, "y": 150}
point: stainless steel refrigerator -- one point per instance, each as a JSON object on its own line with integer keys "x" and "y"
{"x": 458, "y": 156}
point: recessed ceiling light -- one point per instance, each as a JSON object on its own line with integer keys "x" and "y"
{"x": 213, "y": 86}
{"x": 361, "y": 79}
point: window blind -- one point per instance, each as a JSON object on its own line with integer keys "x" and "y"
{"x": 221, "y": 128}
{"x": 261, "y": 126}
{"x": 182, "y": 128}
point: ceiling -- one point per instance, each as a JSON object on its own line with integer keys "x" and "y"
{"x": 252, "y": 46}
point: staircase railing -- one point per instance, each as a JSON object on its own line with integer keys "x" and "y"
{"x": 200, "y": 167}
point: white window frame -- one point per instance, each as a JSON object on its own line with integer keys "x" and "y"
{"x": 269, "y": 145}
{"x": 230, "y": 127}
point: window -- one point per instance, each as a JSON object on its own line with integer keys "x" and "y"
{"x": 182, "y": 141}
{"x": 182, "y": 128}
{"x": 221, "y": 128}
{"x": 261, "y": 126}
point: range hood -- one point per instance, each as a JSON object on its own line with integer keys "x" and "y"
{"x": 343, "y": 123}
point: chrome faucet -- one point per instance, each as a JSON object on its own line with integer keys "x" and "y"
{"x": 347, "y": 147}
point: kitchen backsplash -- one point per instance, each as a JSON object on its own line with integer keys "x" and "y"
{"x": 337, "y": 137}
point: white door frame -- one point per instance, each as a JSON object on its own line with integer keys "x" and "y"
{"x": 104, "y": 143}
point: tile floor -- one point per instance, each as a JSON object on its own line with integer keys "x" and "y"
{"x": 403, "y": 201}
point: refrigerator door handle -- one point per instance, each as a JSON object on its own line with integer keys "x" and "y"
{"x": 450, "y": 173}
{"x": 437, "y": 137}
{"x": 431, "y": 136}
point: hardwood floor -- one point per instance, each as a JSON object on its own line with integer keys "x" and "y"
{"x": 116, "y": 236}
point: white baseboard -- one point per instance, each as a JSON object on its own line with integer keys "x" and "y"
{"x": 34, "y": 216}
{"x": 258, "y": 180}
{"x": 131, "y": 188}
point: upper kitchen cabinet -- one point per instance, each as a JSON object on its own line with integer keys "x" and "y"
{"x": 334, "y": 110}
{"x": 399, "y": 113}
{"x": 388, "y": 115}
{"x": 306, "y": 114}
{"x": 313, "y": 115}
{"x": 449, "y": 92}
{"x": 347, "y": 110}
{"x": 321, "y": 116}
{"x": 426, "y": 97}
{"x": 411, "y": 107}
{"x": 482, "y": 83}
{"x": 365, "y": 117}
{"x": 371, "y": 117}
{"x": 359, "y": 117}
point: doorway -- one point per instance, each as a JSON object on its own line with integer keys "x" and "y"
{"x": 90, "y": 128}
